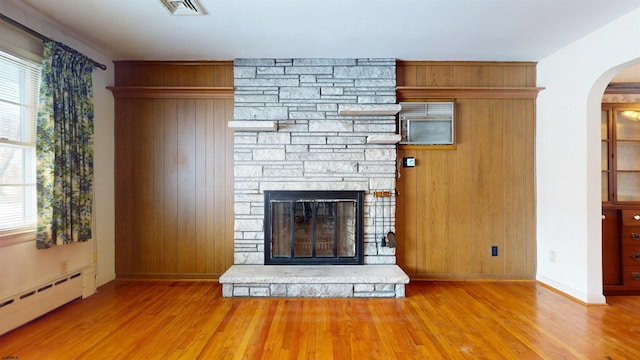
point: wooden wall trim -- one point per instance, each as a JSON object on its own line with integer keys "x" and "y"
{"x": 465, "y": 63}
{"x": 157, "y": 92}
{"x": 419, "y": 92}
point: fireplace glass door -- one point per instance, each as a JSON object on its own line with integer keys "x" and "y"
{"x": 313, "y": 228}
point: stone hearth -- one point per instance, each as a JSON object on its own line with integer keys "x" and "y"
{"x": 314, "y": 281}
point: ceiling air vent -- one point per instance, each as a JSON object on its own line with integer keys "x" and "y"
{"x": 183, "y": 7}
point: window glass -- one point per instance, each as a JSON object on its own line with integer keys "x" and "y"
{"x": 19, "y": 81}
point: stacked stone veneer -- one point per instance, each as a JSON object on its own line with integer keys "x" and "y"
{"x": 314, "y": 281}
{"x": 313, "y": 146}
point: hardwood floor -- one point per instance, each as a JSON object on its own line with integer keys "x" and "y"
{"x": 437, "y": 320}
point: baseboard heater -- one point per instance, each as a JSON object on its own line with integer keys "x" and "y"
{"x": 28, "y": 305}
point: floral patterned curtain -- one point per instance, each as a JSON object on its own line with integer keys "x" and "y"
{"x": 64, "y": 147}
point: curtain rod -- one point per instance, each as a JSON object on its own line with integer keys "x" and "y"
{"x": 41, "y": 37}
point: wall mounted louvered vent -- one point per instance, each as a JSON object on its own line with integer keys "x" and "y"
{"x": 427, "y": 123}
{"x": 183, "y": 7}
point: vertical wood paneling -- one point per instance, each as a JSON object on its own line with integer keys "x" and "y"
{"x": 519, "y": 177}
{"x": 496, "y": 75}
{"x": 421, "y": 225}
{"x": 479, "y": 219}
{"x": 174, "y": 73}
{"x": 228, "y": 221}
{"x": 158, "y": 187}
{"x": 222, "y": 185}
{"x": 200, "y": 185}
{"x": 406, "y": 74}
{"x": 479, "y": 194}
{"x": 422, "y": 76}
{"x": 406, "y": 219}
{"x": 430, "y": 207}
{"x": 122, "y": 179}
{"x": 145, "y": 189}
{"x": 463, "y": 255}
{"x": 132, "y": 209}
{"x": 508, "y": 188}
{"x": 219, "y": 182}
{"x": 427, "y": 219}
{"x": 186, "y": 185}
{"x": 529, "y": 185}
{"x": 137, "y": 183}
{"x": 168, "y": 76}
{"x": 170, "y": 174}
{"x": 210, "y": 192}
{"x": 465, "y": 74}
{"x": 174, "y": 173}
{"x": 496, "y": 178}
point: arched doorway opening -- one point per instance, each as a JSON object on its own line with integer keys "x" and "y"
{"x": 620, "y": 179}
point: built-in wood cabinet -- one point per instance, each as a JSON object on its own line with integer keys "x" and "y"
{"x": 631, "y": 249}
{"x": 620, "y": 148}
{"x": 611, "y": 260}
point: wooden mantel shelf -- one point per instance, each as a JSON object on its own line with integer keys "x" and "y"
{"x": 170, "y": 92}
{"x": 420, "y": 92}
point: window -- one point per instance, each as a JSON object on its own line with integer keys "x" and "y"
{"x": 427, "y": 123}
{"x": 19, "y": 81}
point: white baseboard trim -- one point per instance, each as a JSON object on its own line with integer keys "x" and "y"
{"x": 589, "y": 299}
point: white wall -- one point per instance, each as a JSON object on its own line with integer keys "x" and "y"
{"x": 22, "y": 266}
{"x": 568, "y": 155}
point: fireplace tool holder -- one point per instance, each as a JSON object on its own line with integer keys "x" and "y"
{"x": 383, "y": 218}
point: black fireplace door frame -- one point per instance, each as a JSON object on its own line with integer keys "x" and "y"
{"x": 317, "y": 196}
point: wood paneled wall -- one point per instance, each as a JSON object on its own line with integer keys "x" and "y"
{"x": 457, "y": 203}
{"x": 174, "y": 169}
{"x": 174, "y": 174}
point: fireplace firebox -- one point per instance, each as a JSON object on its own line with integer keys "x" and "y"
{"x": 314, "y": 227}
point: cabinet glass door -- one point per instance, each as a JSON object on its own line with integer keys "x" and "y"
{"x": 604, "y": 145}
{"x": 628, "y": 155}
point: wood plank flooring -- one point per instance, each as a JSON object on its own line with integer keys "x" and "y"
{"x": 437, "y": 320}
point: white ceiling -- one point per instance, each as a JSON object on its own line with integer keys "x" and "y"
{"x": 488, "y": 30}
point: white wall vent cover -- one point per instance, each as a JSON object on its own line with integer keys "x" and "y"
{"x": 183, "y": 7}
{"x": 422, "y": 110}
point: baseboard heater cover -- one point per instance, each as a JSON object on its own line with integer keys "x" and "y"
{"x": 28, "y": 305}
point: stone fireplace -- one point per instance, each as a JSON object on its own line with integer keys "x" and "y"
{"x": 314, "y": 125}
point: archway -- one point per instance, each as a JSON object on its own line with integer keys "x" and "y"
{"x": 612, "y": 275}
{"x": 568, "y": 156}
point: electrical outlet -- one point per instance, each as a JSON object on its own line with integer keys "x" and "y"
{"x": 494, "y": 250}
{"x": 552, "y": 256}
